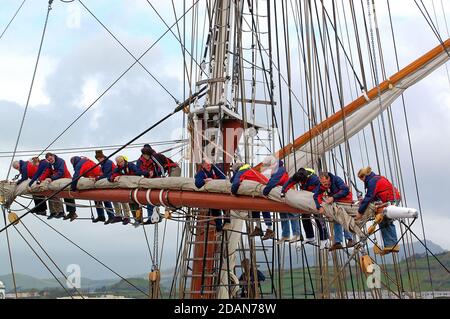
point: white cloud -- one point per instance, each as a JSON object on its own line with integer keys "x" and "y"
{"x": 16, "y": 75}
{"x": 89, "y": 92}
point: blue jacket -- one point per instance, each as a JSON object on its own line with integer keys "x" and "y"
{"x": 107, "y": 169}
{"x": 246, "y": 174}
{"x": 203, "y": 174}
{"x": 378, "y": 188}
{"x": 59, "y": 169}
{"x": 338, "y": 189}
{"x": 278, "y": 178}
{"x": 43, "y": 165}
{"x": 311, "y": 183}
{"x": 77, "y": 165}
{"x": 23, "y": 169}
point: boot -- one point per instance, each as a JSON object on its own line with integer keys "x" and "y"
{"x": 126, "y": 221}
{"x": 52, "y": 215}
{"x": 324, "y": 244}
{"x": 61, "y": 215}
{"x": 295, "y": 238}
{"x": 308, "y": 241}
{"x": 391, "y": 249}
{"x": 256, "y": 232}
{"x": 116, "y": 219}
{"x": 283, "y": 240}
{"x": 269, "y": 234}
{"x": 350, "y": 243}
{"x": 72, "y": 216}
{"x": 109, "y": 221}
{"x": 227, "y": 226}
{"x": 335, "y": 246}
{"x": 98, "y": 219}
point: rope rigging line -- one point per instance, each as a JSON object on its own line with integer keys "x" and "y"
{"x": 448, "y": 34}
{"x": 269, "y": 84}
{"x": 43, "y": 262}
{"x": 129, "y": 52}
{"x": 148, "y": 244}
{"x": 90, "y": 255}
{"x": 411, "y": 153}
{"x": 51, "y": 259}
{"x": 185, "y": 71}
{"x": 11, "y": 264}
{"x": 12, "y": 19}
{"x": 49, "y": 8}
{"x": 396, "y": 153}
{"x": 114, "y": 82}
{"x": 362, "y": 87}
{"x": 431, "y": 24}
{"x": 26, "y": 153}
{"x": 22, "y": 123}
{"x": 424, "y": 245}
{"x": 185, "y": 50}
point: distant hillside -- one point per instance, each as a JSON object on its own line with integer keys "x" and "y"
{"x": 25, "y": 282}
{"x": 296, "y": 260}
{"x": 441, "y": 279}
{"x": 413, "y": 279}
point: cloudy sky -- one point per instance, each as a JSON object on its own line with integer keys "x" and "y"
{"x": 80, "y": 60}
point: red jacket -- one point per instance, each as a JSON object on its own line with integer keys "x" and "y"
{"x": 31, "y": 169}
{"x": 246, "y": 174}
{"x": 378, "y": 188}
{"x": 147, "y": 165}
{"x": 83, "y": 167}
{"x": 26, "y": 170}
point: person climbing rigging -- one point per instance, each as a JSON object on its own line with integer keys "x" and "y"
{"x": 146, "y": 164}
{"x": 307, "y": 179}
{"x": 84, "y": 167}
{"x": 242, "y": 172}
{"x": 278, "y": 177}
{"x": 59, "y": 170}
{"x": 107, "y": 167}
{"x": 164, "y": 165}
{"x": 125, "y": 168}
{"x": 27, "y": 170}
{"x": 205, "y": 174}
{"x": 333, "y": 189}
{"x": 380, "y": 189}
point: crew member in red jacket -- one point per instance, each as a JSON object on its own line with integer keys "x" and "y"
{"x": 59, "y": 170}
{"x": 27, "y": 169}
{"x": 334, "y": 189}
{"x": 380, "y": 189}
{"x": 278, "y": 177}
{"x": 307, "y": 179}
{"x": 244, "y": 172}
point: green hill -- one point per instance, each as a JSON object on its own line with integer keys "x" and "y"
{"x": 413, "y": 279}
{"x": 25, "y": 282}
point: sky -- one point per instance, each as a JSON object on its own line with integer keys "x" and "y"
{"x": 79, "y": 60}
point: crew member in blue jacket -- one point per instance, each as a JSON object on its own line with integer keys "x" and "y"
{"x": 205, "y": 174}
{"x": 278, "y": 177}
{"x": 107, "y": 168}
{"x": 307, "y": 179}
{"x": 28, "y": 169}
{"x": 59, "y": 170}
{"x": 335, "y": 190}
